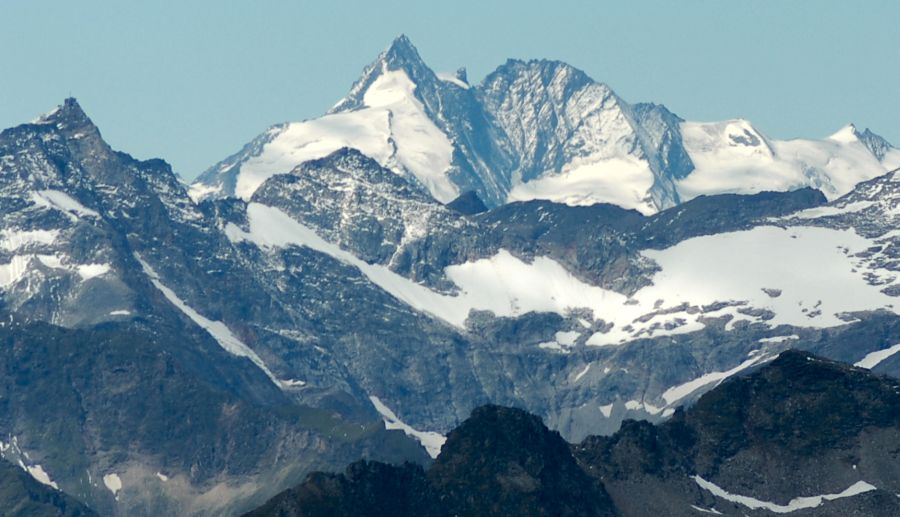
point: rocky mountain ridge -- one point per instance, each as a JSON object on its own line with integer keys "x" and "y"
{"x": 542, "y": 129}
{"x": 765, "y": 443}
{"x": 341, "y": 299}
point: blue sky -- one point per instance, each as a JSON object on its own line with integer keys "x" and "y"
{"x": 192, "y": 81}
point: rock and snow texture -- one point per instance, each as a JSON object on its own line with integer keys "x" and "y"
{"x": 733, "y": 156}
{"x": 218, "y": 330}
{"x": 10, "y": 451}
{"x": 676, "y": 393}
{"x": 799, "y": 503}
{"x": 873, "y": 359}
{"x": 391, "y": 126}
{"x": 545, "y": 130}
{"x": 430, "y": 440}
{"x": 57, "y": 200}
{"x": 696, "y": 281}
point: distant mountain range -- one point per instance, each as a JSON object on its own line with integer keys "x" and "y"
{"x": 544, "y": 130}
{"x": 354, "y": 286}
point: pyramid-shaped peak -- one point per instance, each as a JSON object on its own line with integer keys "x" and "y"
{"x": 846, "y": 134}
{"x": 402, "y": 45}
{"x": 876, "y": 144}
{"x": 67, "y": 115}
{"x": 401, "y": 55}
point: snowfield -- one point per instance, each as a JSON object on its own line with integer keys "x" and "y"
{"x": 695, "y": 274}
{"x": 393, "y": 129}
{"x": 799, "y": 503}
{"x": 733, "y": 156}
{"x": 430, "y": 440}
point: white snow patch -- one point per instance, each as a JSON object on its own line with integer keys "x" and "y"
{"x": 712, "y": 511}
{"x": 88, "y": 271}
{"x": 553, "y": 345}
{"x": 778, "y": 339}
{"x": 120, "y": 312}
{"x": 567, "y": 338}
{"x": 14, "y": 240}
{"x": 827, "y": 211}
{"x": 872, "y": 359}
{"x": 162, "y": 477}
{"x": 676, "y": 393}
{"x": 636, "y": 405}
{"x": 270, "y": 227}
{"x": 11, "y": 272}
{"x": 43, "y": 118}
{"x": 218, "y": 330}
{"x": 700, "y": 271}
{"x": 799, "y": 503}
{"x": 430, "y": 440}
{"x": 582, "y": 373}
{"x": 606, "y": 410}
{"x": 113, "y": 483}
{"x": 451, "y": 78}
{"x": 58, "y": 200}
{"x": 20, "y": 265}
{"x": 198, "y": 191}
{"x": 624, "y": 181}
{"x": 38, "y": 473}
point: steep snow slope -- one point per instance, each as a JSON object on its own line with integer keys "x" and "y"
{"x": 391, "y": 127}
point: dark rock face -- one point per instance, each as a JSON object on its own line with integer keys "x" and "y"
{"x": 118, "y": 399}
{"x": 504, "y": 461}
{"x": 468, "y": 203}
{"x": 365, "y": 489}
{"x": 22, "y": 496}
{"x": 800, "y": 426}
{"x": 500, "y": 461}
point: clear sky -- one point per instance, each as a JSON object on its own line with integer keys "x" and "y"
{"x": 191, "y": 81}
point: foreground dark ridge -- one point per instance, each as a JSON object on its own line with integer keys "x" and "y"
{"x": 798, "y": 427}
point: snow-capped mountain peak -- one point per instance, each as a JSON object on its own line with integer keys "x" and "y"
{"x": 846, "y": 134}
{"x": 876, "y": 144}
{"x": 388, "y": 116}
{"x": 401, "y": 55}
{"x": 542, "y": 129}
{"x": 70, "y": 120}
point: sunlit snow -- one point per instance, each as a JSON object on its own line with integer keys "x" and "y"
{"x": 799, "y": 503}
{"x": 113, "y": 483}
{"x": 676, "y": 393}
{"x": 732, "y": 156}
{"x": 873, "y": 359}
{"x": 430, "y": 440}
{"x": 218, "y": 330}
{"x": 38, "y": 473}
{"x": 393, "y": 129}
{"x": 696, "y": 272}
{"x": 58, "y": 200}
